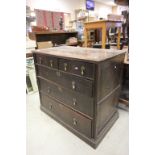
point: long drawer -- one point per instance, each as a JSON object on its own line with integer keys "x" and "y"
{"x": 73, "y": 99}
{"x": 75, "y": 120}
{"x": 84, "y": 69}
{"x": 69, "y": 81}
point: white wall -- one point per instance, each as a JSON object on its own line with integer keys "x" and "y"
{"x": 118, "y": 9}
{"x": 68, "y": 6}
{"x": 103, "y": 10}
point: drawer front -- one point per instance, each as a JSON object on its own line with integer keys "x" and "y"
{"x": 52, "y": 62}
{"x": 69, "y": 81}
{"x": 73, "y": 119}
{"x": 65, "y": 65}
{"x": 40, "y": 59}
{"x": 77, "y": 101}
{"x": 49, "y": 61}
{"x": 77, "y": 67}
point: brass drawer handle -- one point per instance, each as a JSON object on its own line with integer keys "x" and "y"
{"x": 74, "y": 102}
{"x": 51, "y": 63}
{"x": 74, "y": 122}
{"x": 65, "y": 66}
{"x": 82, "y": 70}
{"x": 73, "y": 85}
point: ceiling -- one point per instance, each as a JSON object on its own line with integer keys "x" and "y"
{"x": 107, "y": 2}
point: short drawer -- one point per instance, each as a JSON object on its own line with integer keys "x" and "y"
{"x": 77, "y": 67}
{"x": 40, "y": 59}
{"x": 72, "y": 82}
{"x": 73, "y": 99}
{"x": 68, "y": 116}
{"x": 49, "y": 61}
{"x": 52, "y": 62}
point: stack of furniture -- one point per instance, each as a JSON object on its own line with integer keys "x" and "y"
{"x": 79, "y": 88}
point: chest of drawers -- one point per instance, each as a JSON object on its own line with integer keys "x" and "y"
{"x": 79, "y": 88}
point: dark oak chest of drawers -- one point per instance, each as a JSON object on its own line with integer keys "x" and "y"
{"x": 79, "y": 88}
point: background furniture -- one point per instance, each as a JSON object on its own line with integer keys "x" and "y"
{"x": 57, "y": 38}
{"x": 31, "y": 83}
{"x": 79, "y": 88}
{"x": 124, "y": 95}
{"x": 104, "y": 25}
{"x": 51, "y": 19}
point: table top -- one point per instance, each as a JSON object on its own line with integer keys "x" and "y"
{"x": 102, "y": 21}
{"x": 82, "y": 53}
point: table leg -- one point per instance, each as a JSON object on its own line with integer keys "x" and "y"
{"x": 85, "y": 37}
{"x": 103, "y": 36}
{"x": 118, "y": 38}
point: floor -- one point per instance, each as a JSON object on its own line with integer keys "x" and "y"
{"x": 46, "y": 137}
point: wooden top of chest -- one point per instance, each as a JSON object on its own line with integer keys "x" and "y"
{"x": 81, "y": 53}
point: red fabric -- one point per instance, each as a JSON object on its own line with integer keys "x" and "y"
{"x": 49, "y": 19}
{"x": 44, "y": 18}
{"x": 39, "y": 17}
{"x": 52, "y": 20}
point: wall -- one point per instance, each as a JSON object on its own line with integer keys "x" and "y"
{"x": 69, "y": 6}
{"x": 118, "y": 9}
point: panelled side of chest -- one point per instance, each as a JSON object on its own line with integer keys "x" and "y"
{"x": 107, "y": 89}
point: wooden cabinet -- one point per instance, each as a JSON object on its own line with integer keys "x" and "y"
{"x": 56, "y": 37}
{"x": 80, "y": 89}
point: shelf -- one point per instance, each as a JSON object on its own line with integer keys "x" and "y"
{"x": 79, "y": 19}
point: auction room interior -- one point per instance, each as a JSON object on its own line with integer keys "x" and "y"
{"x": 77, "y": 77}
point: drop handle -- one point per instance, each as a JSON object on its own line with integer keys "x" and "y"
{"x": 73, "y": 85}
{"x": 74, "y": 122}
{"x": 51, "y": 63}
{"x": 74, "y": 102}
{"x": 65, "y": 66}
{"x": 82, "y": 70}
{"x": 115, "y": 67}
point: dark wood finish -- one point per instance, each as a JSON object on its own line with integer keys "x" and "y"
{"x": 124, "y": 96}
{"x": 29, "y": 54}
{"x": 57, "y": 37}
{"x": 110, "y": 76}
{"x": 70, "y": 98}
{"x": 84, "y": 104}
{"x": 77, "y": 67}
{"x": 69, "y": 81}
{"x": 51, "y": 62}
{"x": 70, "y": 117}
